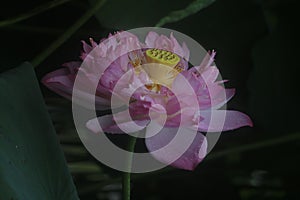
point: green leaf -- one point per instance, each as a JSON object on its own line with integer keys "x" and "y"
{"x": 192, "y": 8}
{"x": 32, "y": 165}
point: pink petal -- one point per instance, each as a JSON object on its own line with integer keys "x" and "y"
{"x": 109, "y": 125}
{"x": 207, "y": 61}
{"x": 61, "y": 82}
{"x": 223, "y": 120}
{"x": 163, "y": 42}
{"x": 221, "y": 99}
{"x": 58, "y": 82}
{"x": 176, "y": 46}
{"x": 65, "y": 80}
{"x": 104, "y": 123}
{"x": 86, "y": 48}
{"x": 186, "y": 51}
{"x": 208, "y": 92}
{"x": 182, "y": 51}
{"x": 150, "y": 39}
{"x": 86, "y": 100}
{"x": 72, "y": 66}
{"x": 188, "y": 160}
{"x": 210, "y": 75}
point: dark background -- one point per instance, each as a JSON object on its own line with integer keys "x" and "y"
{"x": 257, "y": 50}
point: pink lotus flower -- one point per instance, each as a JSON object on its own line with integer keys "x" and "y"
{"x": 156, "y": 86}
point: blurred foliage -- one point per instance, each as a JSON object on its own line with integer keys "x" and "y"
{"x": 123, "y": 15}
{"x": 256, "y": 43}
{"x": 191, "y": 9}
{"x": 138, "y": 13}
{"x": 33, "y": 12}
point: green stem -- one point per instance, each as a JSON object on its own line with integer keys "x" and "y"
{"x": 70, "y": 31}
{"x": 33, "y": 12}
{"x": 126, "y": 175}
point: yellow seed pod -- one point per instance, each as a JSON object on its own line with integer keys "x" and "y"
{"x": 162, "y": 57}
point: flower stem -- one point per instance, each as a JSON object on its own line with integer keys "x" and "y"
{"x": 126, "y": 175}
{"x": 69, "y": 32}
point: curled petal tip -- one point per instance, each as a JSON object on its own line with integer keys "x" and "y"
{"x": 93, "y": 125}
{"x": 250, "y": 123}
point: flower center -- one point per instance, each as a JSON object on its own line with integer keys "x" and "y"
{"x": 162, "y": 68}
{"x": 162, "y": 57}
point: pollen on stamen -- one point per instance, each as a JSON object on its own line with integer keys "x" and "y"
{"x": 135, "y": 59}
